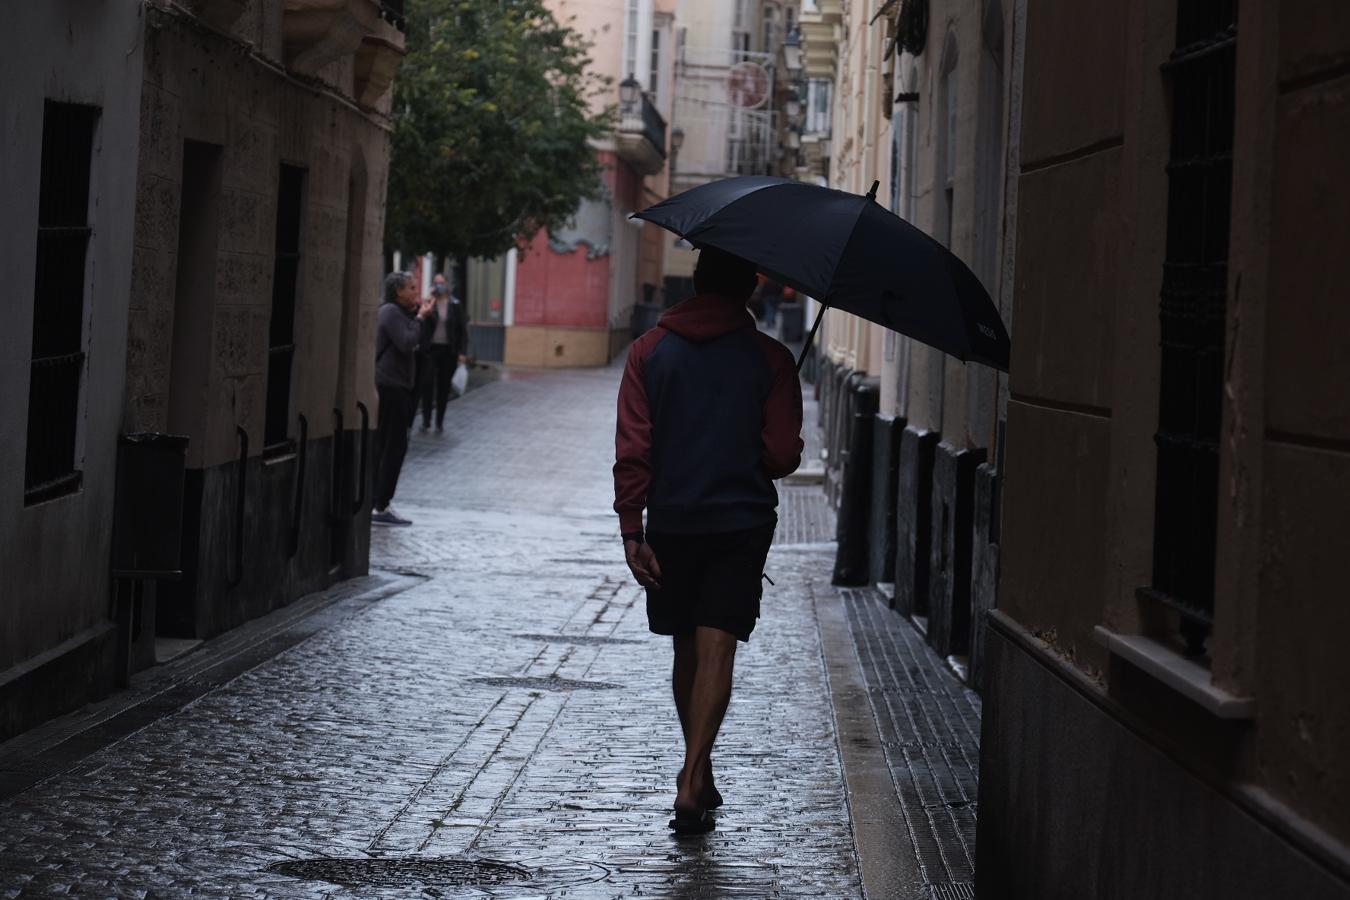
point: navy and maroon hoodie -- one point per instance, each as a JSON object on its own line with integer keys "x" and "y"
{"x": 710, "y": 412}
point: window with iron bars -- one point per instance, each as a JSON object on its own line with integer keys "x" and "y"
{"x": 1192, "y": 314}
{"x": 50, "y": 465}
{"x": 281, "y": 332}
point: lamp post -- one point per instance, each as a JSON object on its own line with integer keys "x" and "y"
{"x": 676, "y": 142}
{"x": 629, "y": 89}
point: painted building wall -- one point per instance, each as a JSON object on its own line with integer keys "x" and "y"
{"x": 575, "y": 288}
{"x": 54, "y": 555}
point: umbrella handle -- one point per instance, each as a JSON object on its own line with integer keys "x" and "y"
{"x": 806, "y": 348}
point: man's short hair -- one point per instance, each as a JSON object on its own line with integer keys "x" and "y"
{"x": 719, "y": 272}
{"x": 393, "y": 283}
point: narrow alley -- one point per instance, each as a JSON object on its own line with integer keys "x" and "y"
{"x": 486, "y": 714}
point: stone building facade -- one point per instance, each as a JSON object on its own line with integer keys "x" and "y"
{"x": 924, "y": 105}
{"x": 238, "y": 161}
{"x": 1164, "y": 710}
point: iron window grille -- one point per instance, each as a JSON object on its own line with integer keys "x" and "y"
{"x": 1192, "y": 314}
{"x": 58, "y": 359}
{"x": 281, "y": 331}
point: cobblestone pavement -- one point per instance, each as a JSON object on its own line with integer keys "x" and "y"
{"x": 498, "y": 727}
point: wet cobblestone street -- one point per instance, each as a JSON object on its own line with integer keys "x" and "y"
{"x": 497, "y": 721}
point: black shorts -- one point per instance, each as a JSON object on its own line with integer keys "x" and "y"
{"x": 708, "y": 579}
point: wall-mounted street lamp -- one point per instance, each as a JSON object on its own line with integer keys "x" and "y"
{"x": 676, "y": 142}
{"x": 794, "y": 137}
{"x": 793, "y": 104}
{"x": 792, "y": 51}
{"x": 629, "y": 89}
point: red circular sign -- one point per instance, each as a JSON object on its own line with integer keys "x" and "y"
{"x": 748, "y": 85}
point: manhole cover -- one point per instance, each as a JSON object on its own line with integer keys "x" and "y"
{"x": 549, "y": 683}
{"x": 401, "y": 873}
{"x": 575, "y": 639}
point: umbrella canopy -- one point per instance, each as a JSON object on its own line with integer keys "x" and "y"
{"x": 848, "y": 252}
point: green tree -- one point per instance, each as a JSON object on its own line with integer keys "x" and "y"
{"x": 491, "y": 124}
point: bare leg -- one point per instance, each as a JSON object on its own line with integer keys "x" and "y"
{"x": 709, "y": 695}
{"x": 682, "y": 678}
{"x": 682, "y": 684}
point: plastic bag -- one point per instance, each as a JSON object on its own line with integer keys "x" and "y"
{"x": 460, "y": 380}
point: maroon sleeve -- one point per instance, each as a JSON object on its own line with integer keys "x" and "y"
{"x": 633, "y": 437}
{"x": 782, "y": 434}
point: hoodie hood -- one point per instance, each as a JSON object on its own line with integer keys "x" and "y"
{"x": 705, "y": 317}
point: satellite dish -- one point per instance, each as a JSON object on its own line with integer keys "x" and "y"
{"x": 748, "y": 85}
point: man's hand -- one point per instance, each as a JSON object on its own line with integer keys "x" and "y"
{"x": 642, "y": 562}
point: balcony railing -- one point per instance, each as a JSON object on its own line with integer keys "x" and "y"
{"x": 642, "y": 135}
{"x": 392, "y": 12}
{"x": 647, "y": 119}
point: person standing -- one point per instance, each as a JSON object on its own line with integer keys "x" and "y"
{"x": 445, "y": 352}
{"x": 771, "y": 295}
{"x": 404, "y": 325}
{"x": 709, "y": 414}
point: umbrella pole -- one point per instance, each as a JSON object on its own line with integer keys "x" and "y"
{"x": 806, "y": 348}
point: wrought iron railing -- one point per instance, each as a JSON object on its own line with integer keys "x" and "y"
{"x": 641, "y": 116}
{"x": 1192, "y": 315}
{"x": 653, "y": 125}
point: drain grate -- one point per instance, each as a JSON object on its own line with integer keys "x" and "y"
{"x": 575, "y": 639}
{"x": 952, "y": 890}
{"x": 549, "y": 683}
{"x": 416, "y": 872}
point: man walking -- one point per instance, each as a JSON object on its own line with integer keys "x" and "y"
{"x": 710, "y": 412}
{"x": 446, "y": 351}
{"x": 404, "y": 325}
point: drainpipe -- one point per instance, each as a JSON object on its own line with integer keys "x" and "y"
{"x": 509, "y": 290}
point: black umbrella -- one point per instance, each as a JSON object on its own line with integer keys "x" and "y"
{"x": 848, "y": 252}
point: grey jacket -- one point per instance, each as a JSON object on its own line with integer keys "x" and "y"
{"x": 397, "y": 337}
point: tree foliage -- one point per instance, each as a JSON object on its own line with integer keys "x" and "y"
{"x": 491, "y": 127}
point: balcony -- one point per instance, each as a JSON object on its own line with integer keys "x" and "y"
{"x": 320, "y": 32}
{"x": 641, "y": 135}
{"x": 822, "y": 31}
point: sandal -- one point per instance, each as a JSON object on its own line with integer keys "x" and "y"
{"x": 692, "y": 822}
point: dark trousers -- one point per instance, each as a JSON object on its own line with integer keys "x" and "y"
{"x": 397, "y": 408}
{"x": 434, "y": 370}
{"x": 771, "y": 309}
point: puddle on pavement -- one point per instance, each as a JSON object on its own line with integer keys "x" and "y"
{"x": 408, "y": 872}
{"x": 549, "y": 683}
{"x": 575, "y": 639}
